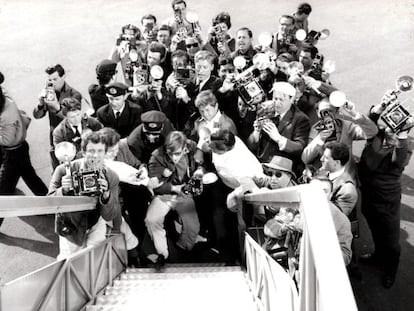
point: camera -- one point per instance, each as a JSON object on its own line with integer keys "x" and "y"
{"x": 194, "y": 186}
{"x": 85, "y": 182}
{"x": 397, "y": 118}
{"x": 50, "y": 92}
{"x": 248, "y": 87}
{"x": 327, "y": 122}
{"x": 184, "y": 75}
{"x": 262, "y": 121}
{"x": 138, "y": 74}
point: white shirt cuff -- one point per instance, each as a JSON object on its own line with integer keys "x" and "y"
{"x": 282, "y": 143}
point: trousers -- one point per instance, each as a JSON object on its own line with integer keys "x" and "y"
{"x": 154, "y": 221}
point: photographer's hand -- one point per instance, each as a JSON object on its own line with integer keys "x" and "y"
{"x": 349, "y": 109}
{"x": 104, "y": 188}
{"x": 177, "y": 189}
{"x": 228, "y": 84}
{"x": 156, "y": 88}
{"x": 66, "y": 184}
{"x": 388, "y": 97}
{"x": 123, "y": 48}
{"x": 325, "y": 134}
{"x": 181, "y": 93}
{"x": 270, "y": 129}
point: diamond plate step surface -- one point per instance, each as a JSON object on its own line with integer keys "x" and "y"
{"x": 179, "y": 287}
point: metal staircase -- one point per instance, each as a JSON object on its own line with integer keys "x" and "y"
{"x": 178, "y": 287}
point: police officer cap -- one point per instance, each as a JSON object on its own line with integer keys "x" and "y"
{"x": 153, "y": 121}
{"x": 116, "y": 89}
{"x": 105, "y": 66}
{"x": 284, "y": 87}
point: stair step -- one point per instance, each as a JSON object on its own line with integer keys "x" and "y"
{"x": 178, "y": 275}
{"x": 186, "y": 268}
{"x": 181, "y": 306}
{"x": 182, "y": 279}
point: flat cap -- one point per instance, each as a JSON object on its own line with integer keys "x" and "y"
{"x": 105, "y": 66}
{"x": 116, "y": 89}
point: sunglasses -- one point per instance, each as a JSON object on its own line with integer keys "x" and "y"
{"x": 275, "y": 173}
{"x": 191, "y": 45}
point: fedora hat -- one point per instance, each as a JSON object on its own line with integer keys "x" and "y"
{"x": 281, "y": 164}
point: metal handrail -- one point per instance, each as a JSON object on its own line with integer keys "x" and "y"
{"x": 272, "y": 287}
{"x": 323, "y": 280}
{"x": 68, "y": 284}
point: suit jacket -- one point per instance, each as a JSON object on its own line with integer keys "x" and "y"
{"x": 187, "y": 112}
{"x": 129, "y": 119}
{"x": 64, "y": 132}
{"x": 344, "y": 193}
{"x": 295, "y": 127}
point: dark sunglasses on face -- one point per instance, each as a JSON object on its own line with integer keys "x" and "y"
{"x": 275, "y": 173}
{"x": 191, "y": 45}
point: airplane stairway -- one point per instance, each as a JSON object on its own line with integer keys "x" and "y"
{"x": 178, "y": 287}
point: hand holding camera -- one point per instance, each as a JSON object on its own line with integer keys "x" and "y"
{"x": 349, "y": 109}
{"x": 181, "y": 93}
{"x": 67, "y": 184}
{"x": 48, "y": 96}
{"x": 228, "y": 83}
{"x": 325, "y": 134}
{"x": 270, "y": 129}
{"x": 177, "y": 189}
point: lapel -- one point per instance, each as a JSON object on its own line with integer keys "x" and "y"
{"x": 123, "y": 118}
{"x": 286, "y": 120}
{"x": 206, "y": 85}
{"x": 68, "y": 130}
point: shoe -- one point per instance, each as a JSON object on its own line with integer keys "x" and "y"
{"x": 388, "y": 280}
{"x": 369, "y": 259}
{"x": 133, "y": 259}
{"x": 160, "y": 263}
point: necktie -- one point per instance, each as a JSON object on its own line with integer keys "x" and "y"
{"x": 77, "y": 133}
{"x": 276, "y": 120}
{"x": 118, "y": 113}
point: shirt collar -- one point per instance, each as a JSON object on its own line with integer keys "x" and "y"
{"x": 120, "y": 110}
{"x": 334, "y": 175}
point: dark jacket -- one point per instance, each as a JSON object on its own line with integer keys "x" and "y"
{"x": 160, "y": 161}
{"x": 129, "y": 119}
{"x": 98, "y": 96}
{"x": 295, "y": 127}
{"x": 55, "y": 117}
{"x": 381, "y": 167}
{"x": 141, "y": 147}
{"x": 64, "y": 132}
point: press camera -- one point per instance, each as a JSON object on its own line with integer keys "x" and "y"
{"x": 327, "y": 122}
{"x": 184, "y": 75}
{"x": 84, "y": 182}
{"x": 247, "y": 82}
{"x": 395, "y": 115}
{"x": 50, "y": 92}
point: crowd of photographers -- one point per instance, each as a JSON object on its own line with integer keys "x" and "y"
{"x": 181, "y": 128}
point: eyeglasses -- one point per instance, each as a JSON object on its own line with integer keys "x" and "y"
{"x": 191, "y": 45}
{"x": 275, "y": 173}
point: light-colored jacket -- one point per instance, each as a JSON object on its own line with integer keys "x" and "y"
{"x": 12, "y": 130}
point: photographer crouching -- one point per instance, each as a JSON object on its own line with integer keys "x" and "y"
{"x": 86, "y": 176}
